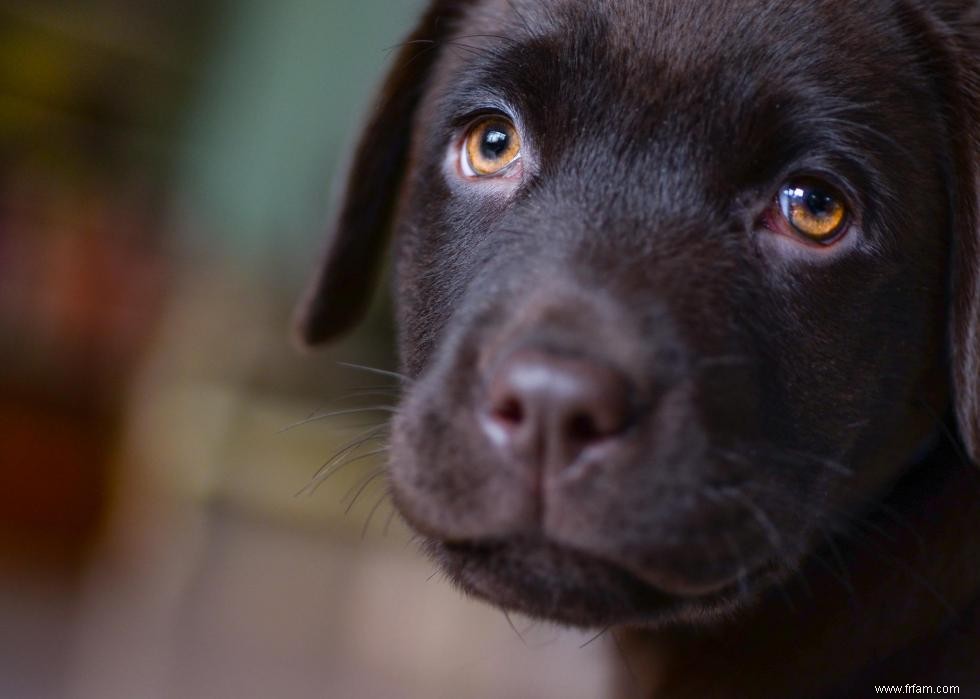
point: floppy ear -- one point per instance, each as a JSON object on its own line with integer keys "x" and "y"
{"x": 961, "y": 34}
{"x": 356, "y": 241}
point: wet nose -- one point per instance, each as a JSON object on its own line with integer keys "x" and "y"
{"x": 548, "y": 409}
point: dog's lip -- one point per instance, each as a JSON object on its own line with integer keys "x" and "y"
{"x": 515, "y": 575}
{"x": 664, "y": 582}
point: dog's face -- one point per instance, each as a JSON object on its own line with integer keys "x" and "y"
{"x": 672, "y": 288}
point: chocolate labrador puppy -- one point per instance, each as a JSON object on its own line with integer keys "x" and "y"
{"x": 688, "y": 297}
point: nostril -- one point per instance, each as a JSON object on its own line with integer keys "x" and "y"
{"x": 509, "y": 411}
{"x": 582, "y": 429}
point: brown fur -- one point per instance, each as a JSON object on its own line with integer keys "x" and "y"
{"x": 793, "y": 509}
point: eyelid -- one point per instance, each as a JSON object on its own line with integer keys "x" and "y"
{"x": 467, "y": 169}
{"x": 465, "y": 118}
{"x": 468, "y": 118}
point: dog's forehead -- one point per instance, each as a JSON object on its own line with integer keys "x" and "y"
{"x": 693, "y": 83}
{"x": 656, "y": 95}
{"x": 714, "y": 63}
{"x": 670, "y": 32}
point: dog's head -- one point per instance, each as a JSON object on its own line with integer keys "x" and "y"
{"x": 681, "y": 286}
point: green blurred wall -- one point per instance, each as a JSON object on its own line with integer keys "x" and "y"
{"x": 280, "y": 104}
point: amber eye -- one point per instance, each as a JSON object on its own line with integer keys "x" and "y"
{"x": 814, "y": 210}
{"x": 491, "y": 144}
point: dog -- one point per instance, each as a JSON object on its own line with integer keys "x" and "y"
{"x": 688, "y": 306}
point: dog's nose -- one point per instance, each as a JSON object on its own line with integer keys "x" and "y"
{"x": 548, "y": 409}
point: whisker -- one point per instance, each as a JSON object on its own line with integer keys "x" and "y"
{"x": 372, "y": 391}
{"x": 595, "y": 638}
{"x": 762, "y": 519}
{"x": 743, "y": 584}
{"x": 337, "y": 413}
{"x": 362, "y": 391}
{"x": 840, "y": 572}
{"x": 626, "y": 663}
{"x": 381, "y": 426}
{"x": 946, "y": 432}
{"x": 901, "y": 520}
{"x": 361, "y": 487}
{"x": 878, "y": 529}
{"x": 367, "y": 523}
{"x": 510, "y": 623}
{"x": 428, "y": 46}
{"x": 367, "y": 455}
{"x": 391, "y": 518}
{"x": 336, "y": 462}
{"x": 503, "y": 39}
{"x": 780, "y": 455}
{"x": 829, "y": 464}
{"x": 409, "y": 42}
{"x": 375, "y": 370}
{"x": 903, "y": 566}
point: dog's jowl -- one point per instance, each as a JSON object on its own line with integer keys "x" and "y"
{"x": 689, "y": 298}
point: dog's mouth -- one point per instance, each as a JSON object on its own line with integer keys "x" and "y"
{"x": 583, "y": 502}
{"x": 541, "y": 578}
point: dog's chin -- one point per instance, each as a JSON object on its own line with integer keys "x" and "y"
{"x": 545, "y": 580}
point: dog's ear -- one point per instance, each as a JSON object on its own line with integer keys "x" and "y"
{"x": 356, "y": 241}
{"x": 958, "y": 28}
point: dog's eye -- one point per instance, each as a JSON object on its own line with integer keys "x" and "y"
{"x": 813, "y": 209}
{"x": 490, "y": 146}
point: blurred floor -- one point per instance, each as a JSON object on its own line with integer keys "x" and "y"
{"x": 163, "y": 169}
{"x": 265, "y": 611}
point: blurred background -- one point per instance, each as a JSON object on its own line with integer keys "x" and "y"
{"x": 164, "y": 169}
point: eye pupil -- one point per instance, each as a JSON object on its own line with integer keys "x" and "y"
{"x": 495, "y": 144}
{"x": 820, "y": 203}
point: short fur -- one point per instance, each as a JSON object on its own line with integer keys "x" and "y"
{"x": 794, "y": 512}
